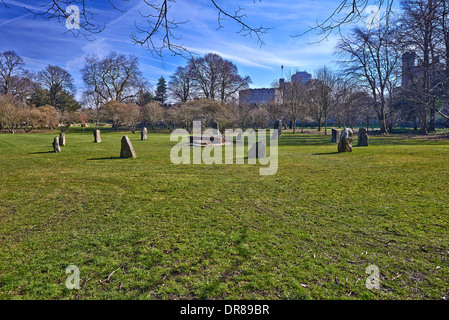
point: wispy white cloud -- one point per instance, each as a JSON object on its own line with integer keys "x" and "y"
{"x": 13, "y": 19}
{"x": 23, "y": 5}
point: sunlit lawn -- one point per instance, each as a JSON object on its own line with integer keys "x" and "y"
{"x": 223, "y": 231}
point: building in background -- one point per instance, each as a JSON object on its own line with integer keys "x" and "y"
{"x": 302, "y": 76}
{"x": 267, "y": 95}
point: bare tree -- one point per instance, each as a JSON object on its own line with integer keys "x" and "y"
{"x": 242, "y": 114}
{"x": 371, "y": 58}
{"x": 320, "y": 90}
{"x": 215, "y": 78}
{"x": 55, "y": 80}
{"x": 295, "y": 98}
{"x": 259, "y": 118}
{"x": 180, "y": 84}
{"x": 153, "y": 113}
{"x": 160, "y": 32}
{"x": 352, "y": 103}
{"x": 420, "y": 41}
{"x": 352, "y": 12}
{"x": 132, "y": 115}
{"x": 159, "y": 35}
{"x": 115, "y": 77}
{"x": 10, "y": 112}
{"x": 443, "y": 50}
{"x": 113, "y": 111}
{"x": 229, "y": 81}
{"x": 11, "y": 66}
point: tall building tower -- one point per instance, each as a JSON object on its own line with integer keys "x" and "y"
{"x": 302, "y": 76}
{"x": 408, "y": 65}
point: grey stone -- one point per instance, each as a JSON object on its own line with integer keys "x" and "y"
{"x": 345, "y": 142}
{"x": 258, "y": 150}
{"x": 363, "y": 137}
{"x": 143, "y": 134}
{"x": 215, "y": 128}
{"x": 239, "y": 136}
{"x": 334, "y": 135}
{"x": 278, "y": 126}
{"x": 218, "y": 139}
{"x": 97, "y": 136}
{"x": 56, "y": 147}
{"x": 62, "y": 139}
{"x": 127, "y": 150}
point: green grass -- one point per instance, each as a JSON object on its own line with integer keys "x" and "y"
{"x": 223, "y": 231}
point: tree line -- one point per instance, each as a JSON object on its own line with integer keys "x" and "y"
{"x": 115, "y": 91}
{"x": 392, "y": 74}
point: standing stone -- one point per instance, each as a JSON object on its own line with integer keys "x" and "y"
{"x": 363, "y": 137}
{"x": 258, "y": 150}
{"x": 127, "y": 150}
{"x": 278, "y": 126}
{"x": 215, "y": 128}
{"x": 143, "y": 134}
{"x": 345, "y": 142}
{"x": 62, "y": 139}
{"x": 56, "y": 147}
{"x": 97, "y": 136}
{"x": 239, "y": 136}
{"x": 334, "y": 135}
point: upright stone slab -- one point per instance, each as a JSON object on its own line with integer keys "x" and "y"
{"x": 239, "y": 136}
{"x": 62, "y": 139}
{"x": 258, "y": 150}
{"x": 278, "y": 126}
{"x": 127, "y": 150}
{"x": 215, "y": 128}
{"x": 56, "y": 147}
{"x": 334, "y": 135}
{"x": 345, "y": 142}
{"x": 363, "y": 137}
{"x": 143, "y": 134}
{"x": 97, "y": 136}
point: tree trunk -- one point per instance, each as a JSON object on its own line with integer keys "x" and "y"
{"x": 432, "y": 120}
{"x": 424, "y": 129}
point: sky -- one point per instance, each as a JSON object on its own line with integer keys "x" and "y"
{"x": 41, "y": 42}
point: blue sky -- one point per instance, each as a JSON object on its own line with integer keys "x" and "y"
{"x": 40, "y": 42}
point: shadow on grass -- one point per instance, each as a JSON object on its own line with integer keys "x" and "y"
{"x": 325, "y": 153}
{"x": 41, "y": 152}
{"x": 106, "y": 158}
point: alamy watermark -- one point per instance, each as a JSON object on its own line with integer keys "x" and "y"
{"x": 373, "y": 281}
{"x": 72, "y": 281}
{"x": 373, "y": 19}
{"x": 73, "y": 20}
{"x": 212, "y": 153}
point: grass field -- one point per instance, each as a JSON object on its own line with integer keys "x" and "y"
{"x": 145, "y": 228}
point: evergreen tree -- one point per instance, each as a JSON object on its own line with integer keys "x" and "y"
{"x": 161, "y": 90}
